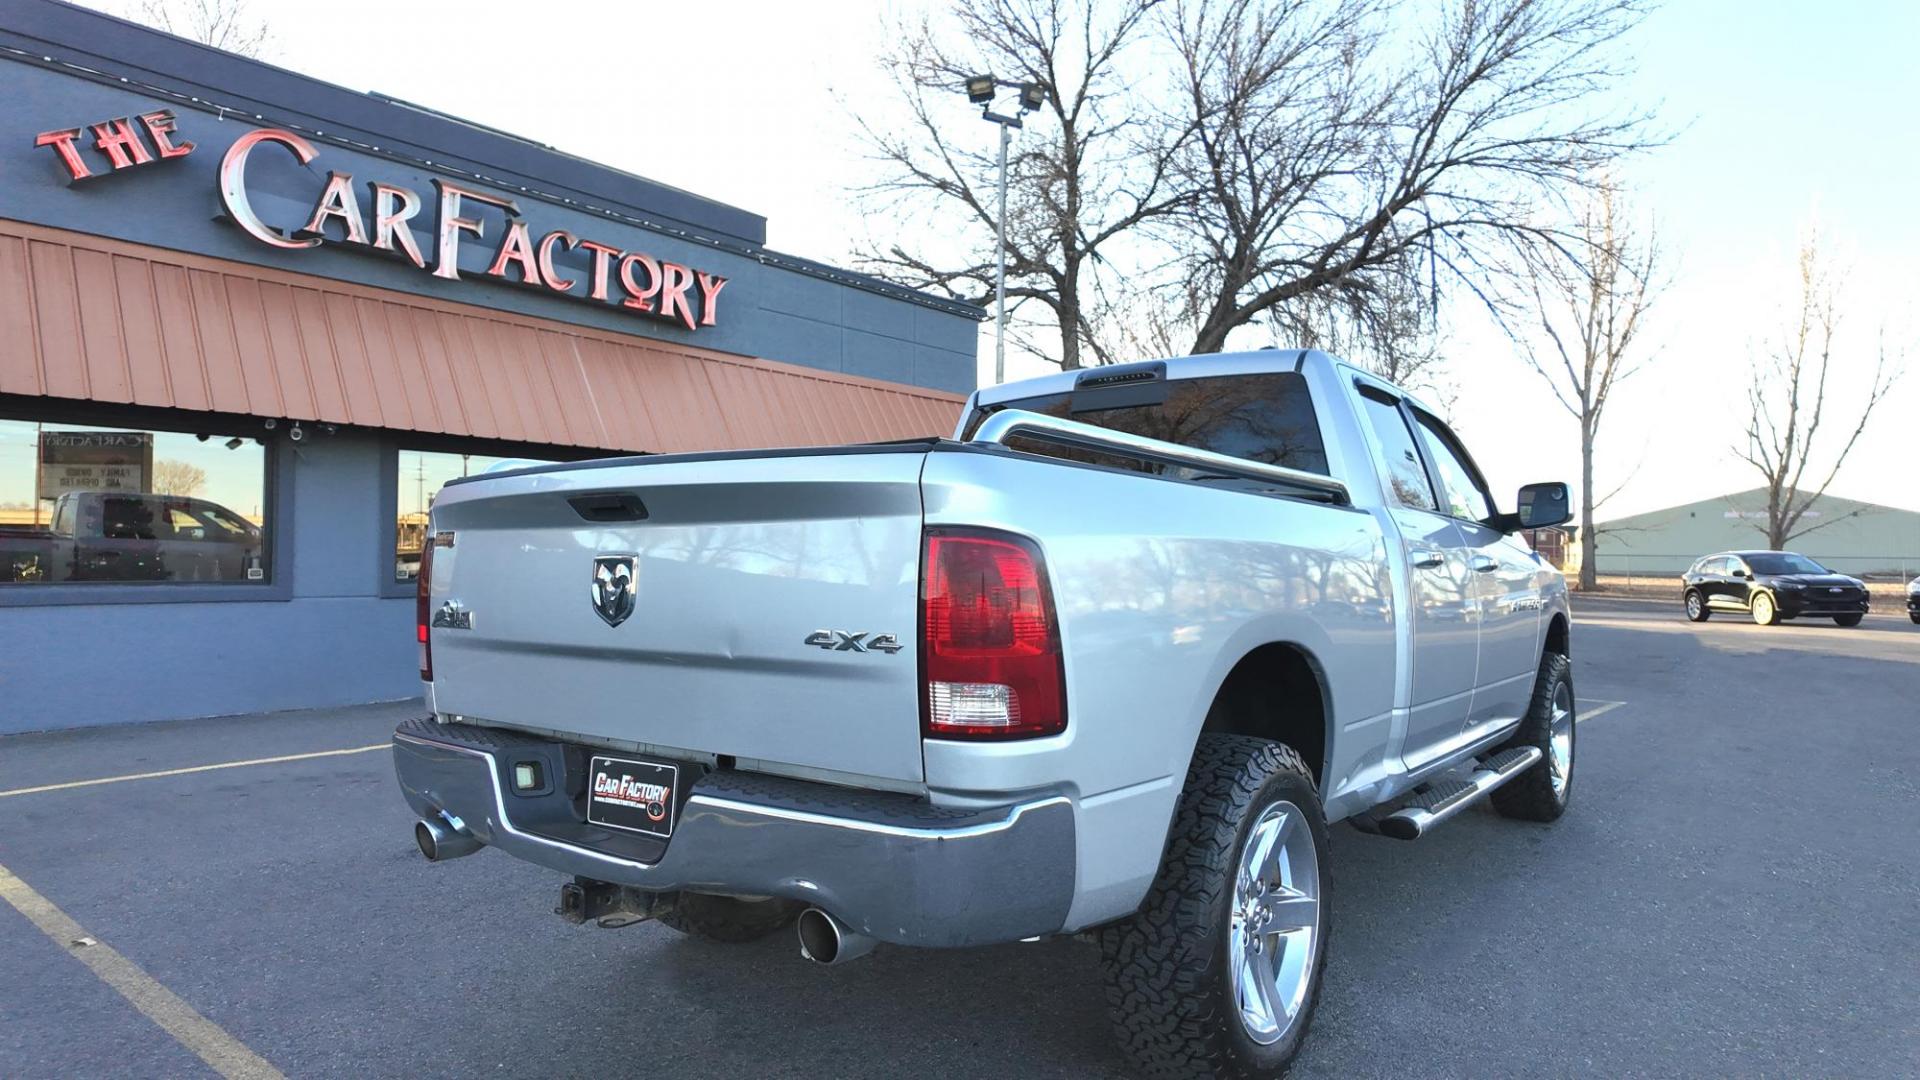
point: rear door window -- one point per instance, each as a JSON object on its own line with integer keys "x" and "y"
{"x": 1406, "y": 476}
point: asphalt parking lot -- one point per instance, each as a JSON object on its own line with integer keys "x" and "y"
{"x": 1734, "y": 893}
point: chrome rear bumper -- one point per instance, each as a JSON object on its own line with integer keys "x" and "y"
{"x": 892, "y": 867}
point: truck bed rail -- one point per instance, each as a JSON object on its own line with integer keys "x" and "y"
{"x": 1011, "y": 423}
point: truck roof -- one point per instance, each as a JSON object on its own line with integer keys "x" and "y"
{"x": 1184, "y": 367}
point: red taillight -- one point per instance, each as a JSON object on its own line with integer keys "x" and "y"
{"x": 989, "y": 641}
{"x": 423, "y": 586}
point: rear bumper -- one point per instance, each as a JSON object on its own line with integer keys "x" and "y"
{"x": 891, "y": 866}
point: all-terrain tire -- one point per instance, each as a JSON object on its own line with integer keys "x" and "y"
{"x": 728, "y": 920}
{"x": 1697, "y": 609}
{"x": 1765, "y": 612}
{"x": 1848, "y": 620}
{"x": 1533, "y": 795}
{"x": 1168, "y": 974}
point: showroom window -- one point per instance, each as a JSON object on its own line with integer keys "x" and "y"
{"x": 91, "y": 503}
{"x": 420, "y": 473}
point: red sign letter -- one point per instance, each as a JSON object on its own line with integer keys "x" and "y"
{"x": 451, "y": 224}
{"x": 233, "y": 183}
{"x": 601, "y": 254}
{"x": 393, "y": 207}
{"x": 642, "y": 299}
{"x": 121, "y": 143}
{"x": 62, "y": 143}
{"x": 710, "y": 287}
{"x": 516, "y": 248}
{"x": 675, "y": 280}
{"x": 338, "y": 201}
{"x": 555, "y": 281}
{"x": 159, "y": 127}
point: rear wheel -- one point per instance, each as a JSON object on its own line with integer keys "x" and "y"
{"x": 1764, "y": 613}
{"x": 1542, "y": 792}
{"x": 728, "y": 920}
{"x": 1219, "y": 972}
{"x": 1848, "y": 620}
{"x": 1697, "y": 606}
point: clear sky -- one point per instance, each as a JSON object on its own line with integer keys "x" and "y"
{"x": 1784, "y": 113}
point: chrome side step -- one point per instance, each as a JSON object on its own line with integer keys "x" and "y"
{"x": 1445, "y": 798}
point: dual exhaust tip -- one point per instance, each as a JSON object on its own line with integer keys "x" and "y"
{"x": 823, "y": 938}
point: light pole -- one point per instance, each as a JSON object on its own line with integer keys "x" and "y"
{"x": 981, "y": 90}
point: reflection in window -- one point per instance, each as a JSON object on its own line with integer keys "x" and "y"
{"x": 1464, "y": 497}
{"x": 1405, "y": 474}
{"x": 97, "y": 504}
{"x": 421, "y": 474}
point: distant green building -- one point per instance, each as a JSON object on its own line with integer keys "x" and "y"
{"x": 1860, "y": 538}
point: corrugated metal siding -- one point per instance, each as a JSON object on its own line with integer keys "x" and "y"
{"x": 92, "y": 319}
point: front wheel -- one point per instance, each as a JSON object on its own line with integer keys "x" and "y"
{"x": 1764, "y": 613}
{"x": 1847, "y": 620}
{"x": 1542, "y": 792}
{"x": 1219, "y": 971}
{"x": 1697, "y": 607}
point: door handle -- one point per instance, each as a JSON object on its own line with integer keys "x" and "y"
{"x": 1426, "y": 559}
{"x": 1482, "y": 563}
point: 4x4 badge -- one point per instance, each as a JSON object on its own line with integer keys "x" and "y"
{"x": 853, "y": 641}
{"x": 613, "y": 587}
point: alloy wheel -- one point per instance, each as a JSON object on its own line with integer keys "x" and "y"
{"x": 1274, "y": 939}
{"x": 1560, "y": 740}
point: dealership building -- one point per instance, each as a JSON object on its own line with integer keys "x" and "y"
{"x": 250, "y": 322}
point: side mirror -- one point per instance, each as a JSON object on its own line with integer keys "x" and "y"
{"x": 1541, "y": 505}
{"x": 1739, "y": 573}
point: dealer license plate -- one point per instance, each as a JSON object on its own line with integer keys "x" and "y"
{"x": 637, "y": 796}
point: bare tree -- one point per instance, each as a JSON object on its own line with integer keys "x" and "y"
{"x": 1315, "y": 166}
{"x": 1386, "y": 324}
{"x": 1787, "y": 403}
{"x": 1591, "y": 307}
{"x": 1339, "y": 147}
{"x": 1085, "y": 176}
{"x": 178, "y": 478}
{"x": 223, "y": 24}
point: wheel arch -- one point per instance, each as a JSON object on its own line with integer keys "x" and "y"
{"x": 1559, "y": 640}
{"x": 1277, "y": 691}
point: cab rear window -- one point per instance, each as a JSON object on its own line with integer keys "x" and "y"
{"x": 1266, "y": 417}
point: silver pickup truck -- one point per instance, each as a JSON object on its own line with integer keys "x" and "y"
{"x": 1108, "y": 662}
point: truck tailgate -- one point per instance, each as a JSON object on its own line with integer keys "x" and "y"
{"x": 739, "y": 560}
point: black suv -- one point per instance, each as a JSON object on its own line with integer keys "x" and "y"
{"x": 1771, "y": 585}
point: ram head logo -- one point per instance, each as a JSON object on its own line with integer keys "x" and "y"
{"x": 613, "y": 587}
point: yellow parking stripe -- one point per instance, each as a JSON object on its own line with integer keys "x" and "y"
{"x": 1583, "y": 715}
{"x": 227, "y": 1055}
{"x": 193, "y": 769}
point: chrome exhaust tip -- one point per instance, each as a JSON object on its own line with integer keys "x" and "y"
{"x": 443, "y": 840}
{"x": 826, "y": 940}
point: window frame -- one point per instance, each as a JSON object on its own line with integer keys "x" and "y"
{"x": 277, "y": 483}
